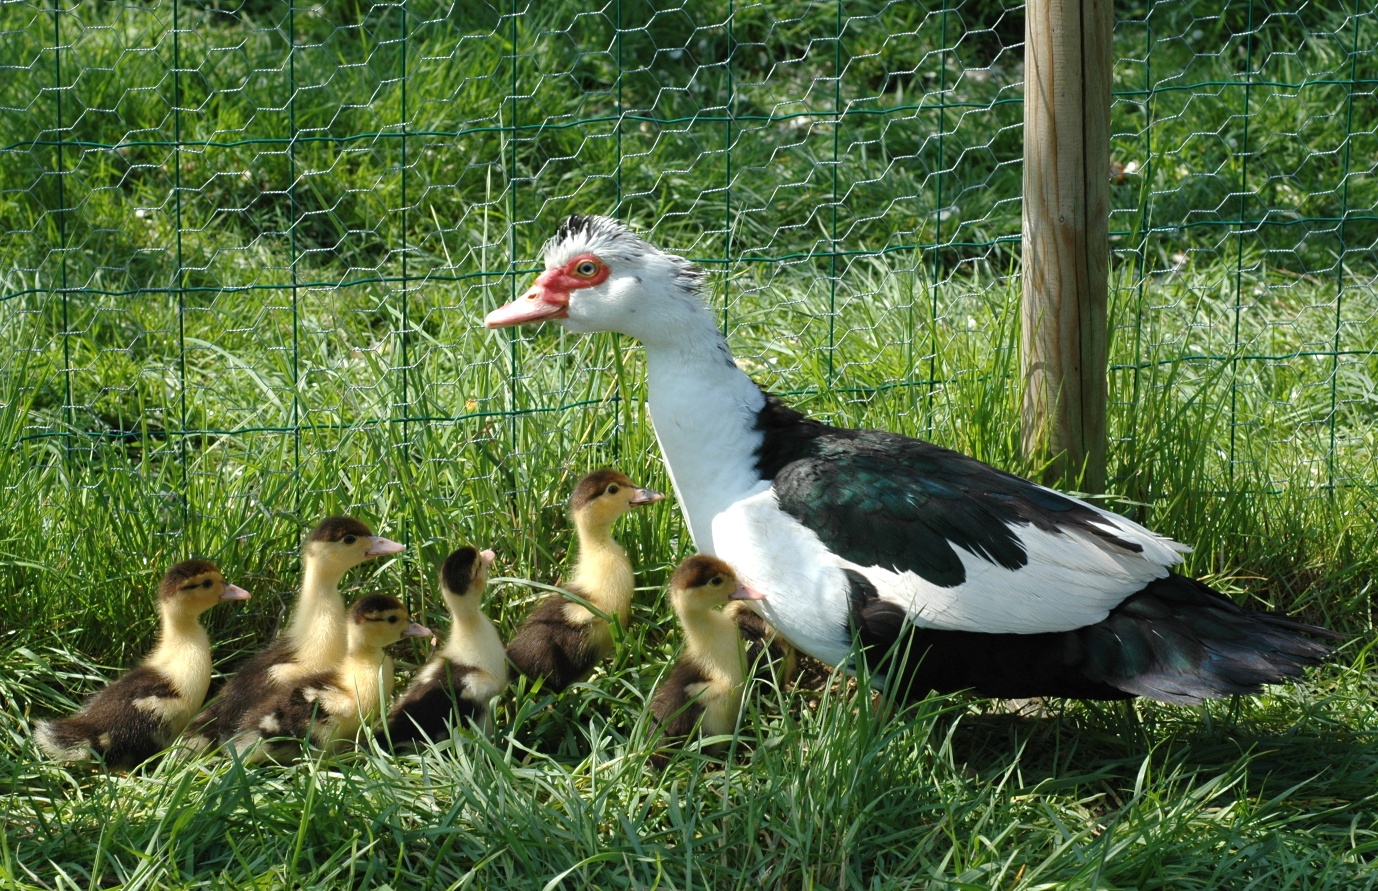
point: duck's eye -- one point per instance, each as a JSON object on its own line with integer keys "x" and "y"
{"x": 586, "y": 269}
{"x": 350, "y": 539}
{"x": 392, "y": 620}
{"x": 207, "y": 583}
{"x": 715, "y": 581}
{"x": 612, "y": 490}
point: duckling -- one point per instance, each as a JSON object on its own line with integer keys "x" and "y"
{"x": 704, "y": 688}
{"x": 314, "y": 639}
{"x": 142, "y": 712}
{"x": 327, "y": 709}
{"x": 461, "y": 679}
{"x": 561, "y": 641}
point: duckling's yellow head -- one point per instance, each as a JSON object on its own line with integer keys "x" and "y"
{"x": 703, "y": 583}
{"x": 604, "y": 495}
{"x": 339, "y": 543}
{"x": 464, "y": 574}
{"x": 380, "y": 620}
{"x": 195, "y": 586}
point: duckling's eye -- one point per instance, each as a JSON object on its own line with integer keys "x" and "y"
{"x": 392, "y": 620}
{"x": 586, "y": 269}
{"x": 350, "y": 539}
{"x": 612, "y": 490}
{"x": 715, "y": 581}
{"x": 207, "y": 583}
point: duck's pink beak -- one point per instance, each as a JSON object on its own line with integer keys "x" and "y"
{"x": 382, "y": 547}
{"x": 234, "y": 592}
{"x": 487, "y": 557}
{"x": 745, "y": 592}
{"x": 545, "y": 300}
{"x": 416, "y": 630}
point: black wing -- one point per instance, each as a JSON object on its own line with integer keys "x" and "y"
{"x": 548, "y": 646}
{"x": 675, "y": 710}
{"x": 428, "y": 710}
{"x": 250, "y": 686}
{"x": 113, "y": 727}
{"x": 880, "y": 499}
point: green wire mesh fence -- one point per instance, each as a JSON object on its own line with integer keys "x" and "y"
{"x": 244, "y": 247}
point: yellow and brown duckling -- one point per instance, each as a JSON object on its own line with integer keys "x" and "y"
{"x": 704, "y": 689}
{"x": 314, "y": 640}
{"x": 455, "y": 688}
{"x": 142, "y": 712}
{"x": 561, "y": 641}
{"x": 327, "y": 709}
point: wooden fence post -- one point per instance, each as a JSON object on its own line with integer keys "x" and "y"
{"x": 1067, "y": 75}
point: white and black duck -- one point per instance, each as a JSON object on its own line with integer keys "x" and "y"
{"x": 950, "y": 573}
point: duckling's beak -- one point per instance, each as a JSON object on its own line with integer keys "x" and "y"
{"x": 746, "y": 592}
{"x": 646, "y": 496}
{"x": 382, "y": 547}
{"x": 487, "y": 557}
{"x": 234, "y": 592}
{"x": 415, "y": 630}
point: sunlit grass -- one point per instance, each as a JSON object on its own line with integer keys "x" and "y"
{"x": 220, "y": 342}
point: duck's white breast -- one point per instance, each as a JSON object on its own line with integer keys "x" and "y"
{"x": 805, "y": 588}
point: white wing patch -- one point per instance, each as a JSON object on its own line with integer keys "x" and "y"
{"x": 1157, "y": 548}
{"x": 694, "y": 690}
{"x": 1072, "y": 578}
{"x": 428, "y": 674}
{"x": 481, "y": 686}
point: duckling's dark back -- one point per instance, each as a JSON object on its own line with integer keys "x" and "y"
{"x": 110, "y": 726}
{"x": 428, "y": 708}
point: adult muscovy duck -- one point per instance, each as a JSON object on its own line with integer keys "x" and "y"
{"x": 949, "y": 573}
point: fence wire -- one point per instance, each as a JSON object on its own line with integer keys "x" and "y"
{"x": 244, "y": 246}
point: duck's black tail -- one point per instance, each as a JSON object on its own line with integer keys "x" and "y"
{"x": 1177, "y": 641}
{"x": 1180, "y": 641}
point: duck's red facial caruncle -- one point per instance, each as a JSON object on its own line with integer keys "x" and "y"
{"x": 549, "y": 296}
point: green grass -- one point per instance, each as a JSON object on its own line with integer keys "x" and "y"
{"x": 227, "y": 337}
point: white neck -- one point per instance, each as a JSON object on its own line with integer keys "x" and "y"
{"x": 704, "y": 409}
{"x": 465, "y": 623}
